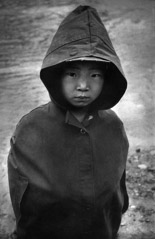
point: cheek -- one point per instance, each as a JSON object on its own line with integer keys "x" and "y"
{"x": 67, "y": 86}
{"x": 98, "y": 87}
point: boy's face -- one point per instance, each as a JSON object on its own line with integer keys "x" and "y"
{"x": 82, "y": 83}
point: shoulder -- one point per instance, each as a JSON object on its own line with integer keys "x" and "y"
{"x": 28, "y": 137}
{"x": 35, "y": 115}
{"x": 32, "y": 122}
{"x": 110, "y": 117}
{"x": 114, "y": 123}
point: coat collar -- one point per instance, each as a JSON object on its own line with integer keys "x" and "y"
{"x": 70, "y": 119}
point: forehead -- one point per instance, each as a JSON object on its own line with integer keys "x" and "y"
{"x": 90, "y": 65}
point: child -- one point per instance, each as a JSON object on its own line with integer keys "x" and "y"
{"x": 67, "y": 160}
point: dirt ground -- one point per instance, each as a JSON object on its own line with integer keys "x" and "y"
{"x": 26, "y": 30}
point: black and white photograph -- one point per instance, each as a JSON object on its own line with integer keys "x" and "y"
{"x": 77, "y": 119}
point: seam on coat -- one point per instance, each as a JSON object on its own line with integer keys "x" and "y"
{"x": 68, "y": 43}
{"x": 89, "y": 26}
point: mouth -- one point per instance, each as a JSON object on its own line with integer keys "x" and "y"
{"x": 82, "y": 98}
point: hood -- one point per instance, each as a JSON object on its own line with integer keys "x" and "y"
{"x": 82, "y": 34}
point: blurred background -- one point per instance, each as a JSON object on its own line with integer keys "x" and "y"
{"x": 26, "y": 30}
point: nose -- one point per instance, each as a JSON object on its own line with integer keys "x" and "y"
{"x": 82, "y": 85}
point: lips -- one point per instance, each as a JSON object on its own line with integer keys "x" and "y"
{"x": 81, "y": 97}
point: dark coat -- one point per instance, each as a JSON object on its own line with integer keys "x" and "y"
{"x": 67, "y": 179}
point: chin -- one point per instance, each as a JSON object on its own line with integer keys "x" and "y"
{"x": 78, "y": 107}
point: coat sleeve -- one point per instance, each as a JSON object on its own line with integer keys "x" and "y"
{"x": 125, "y": 147}
{"x": 18, "y": 183}
{"x": 125, "y": 194}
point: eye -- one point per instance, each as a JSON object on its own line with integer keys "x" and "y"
{"x": 96, "y": 75}
{"x": 71, "y": 74}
